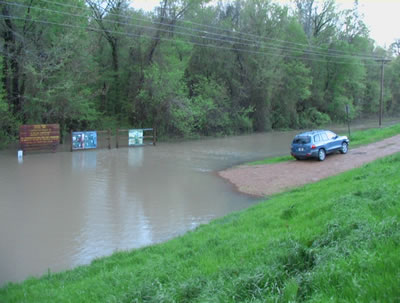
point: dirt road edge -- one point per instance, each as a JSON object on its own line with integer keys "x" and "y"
{"x": 268, "y": 179}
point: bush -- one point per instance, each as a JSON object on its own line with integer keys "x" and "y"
{"x": 8, "y": 125}
{"x": 311, "y": 117}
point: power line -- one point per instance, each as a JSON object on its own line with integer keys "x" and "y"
{"x": 253, "y": 44}
{"x": 172, "y": 40}
{"x": 151, "y": 28}
{"x": 220, "y": 35}
{"x": 128, "y": 34}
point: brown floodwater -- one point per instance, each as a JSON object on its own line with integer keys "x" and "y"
{"x": 60, "y": 210}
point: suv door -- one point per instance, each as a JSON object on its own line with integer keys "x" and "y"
{"x": 325, "y": 141}
{"x": 318, "y": 140}
{"x": 333, "y": 143}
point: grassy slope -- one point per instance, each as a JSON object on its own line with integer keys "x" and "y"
{"x": 337, "y": 240}
{"x": 357, "y": 138}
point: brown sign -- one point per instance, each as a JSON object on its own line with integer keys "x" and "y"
{"x": 39, "y": 136}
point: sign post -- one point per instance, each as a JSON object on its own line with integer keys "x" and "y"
{"x": 348, "y": 120}
{"x": 20, "y": 156}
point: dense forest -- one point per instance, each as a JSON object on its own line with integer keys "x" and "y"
{"x": 190, "y": 67}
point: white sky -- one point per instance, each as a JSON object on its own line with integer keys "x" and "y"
{"x": 381, "y": 16}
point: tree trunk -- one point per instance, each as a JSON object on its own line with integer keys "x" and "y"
{"x": 12, "y": 68}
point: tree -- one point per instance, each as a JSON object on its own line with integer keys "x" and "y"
{"x": 61, "y": 92}
{"x": 316, "y": 19}
{"x": 8, "y": 124}
{"x": 44, "y": 63}
{"x": 392, "y": 80}
{"x": 188, "y": 67}
{"x": 109, "y": 15}
{"x": 14, "y": 41}
{"x": 395, "y": 47}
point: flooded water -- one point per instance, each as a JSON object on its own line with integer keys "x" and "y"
{"x": 61, "y": 210}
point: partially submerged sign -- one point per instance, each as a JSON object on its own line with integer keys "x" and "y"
{"x": 135, "y": 137}
{"x": 39, "y": 136}
{"x": 84, "y": 140}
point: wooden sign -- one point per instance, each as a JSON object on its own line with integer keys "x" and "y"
{"x": 39, "y": 136}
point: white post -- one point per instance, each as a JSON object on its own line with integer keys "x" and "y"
{"x": 20, "y": 156}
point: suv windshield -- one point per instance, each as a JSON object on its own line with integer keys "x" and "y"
{"x": 302, "y": 140}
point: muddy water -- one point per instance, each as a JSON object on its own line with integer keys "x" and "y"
{"x": 61, "y": 210}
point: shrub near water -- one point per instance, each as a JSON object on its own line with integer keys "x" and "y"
{"x": 337, "y": 240}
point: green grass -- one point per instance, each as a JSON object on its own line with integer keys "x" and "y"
{"x": 367, "y": 136}
{"x": 357, "y": 138}
{"x": 337, "y": 240}
{"x": 271, "y": 160}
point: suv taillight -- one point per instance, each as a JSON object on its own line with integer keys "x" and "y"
{"x": 313, "y": 146}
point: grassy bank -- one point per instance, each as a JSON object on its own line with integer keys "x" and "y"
{"x": 337, "y": 240}
{"x": 357, "y": 138}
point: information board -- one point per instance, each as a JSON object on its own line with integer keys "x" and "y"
{"x": 84, "y": 140}
{"x": 39, "y": 136}
{"x": 135, "y": 137}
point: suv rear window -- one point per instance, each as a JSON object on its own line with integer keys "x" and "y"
{"x": 302, "y": 140}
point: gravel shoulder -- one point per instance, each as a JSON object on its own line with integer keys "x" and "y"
{"x": 265, "y": 180}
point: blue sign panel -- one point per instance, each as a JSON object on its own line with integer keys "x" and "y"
{"x": 84, "y": 140}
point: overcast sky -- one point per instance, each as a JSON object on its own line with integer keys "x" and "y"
{"x": 381, "y": 16}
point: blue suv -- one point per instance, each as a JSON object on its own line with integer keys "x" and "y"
{"x": 317, "y": 144}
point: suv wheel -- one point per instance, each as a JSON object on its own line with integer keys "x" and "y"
{"x": 345, "y": 148}
{"x": 321, "y": 154}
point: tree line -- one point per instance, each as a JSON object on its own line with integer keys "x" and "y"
{"x": 189, "y": 67}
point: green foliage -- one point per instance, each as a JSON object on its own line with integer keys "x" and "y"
{"x": 311, "y": 117}
{"x": 8, "y": 124}
{"x": 163, "y": 98}
{"x": 57, "y": 95}
{"x": 393, "y": 104}
{"x": 335, "y": 240}
{"x": 271, "y": 160}
{"x": 295, "y": 88}
{"x": 212, "y": 113}
{"x": 261, "y": 67}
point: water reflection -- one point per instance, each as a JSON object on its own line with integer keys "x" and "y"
{"x": 135, "y": 157}
{"x": 65, "y": 209}
{"x": 84, "y": 160}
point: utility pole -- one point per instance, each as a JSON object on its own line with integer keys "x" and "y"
{"x": 383, "y": 61}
